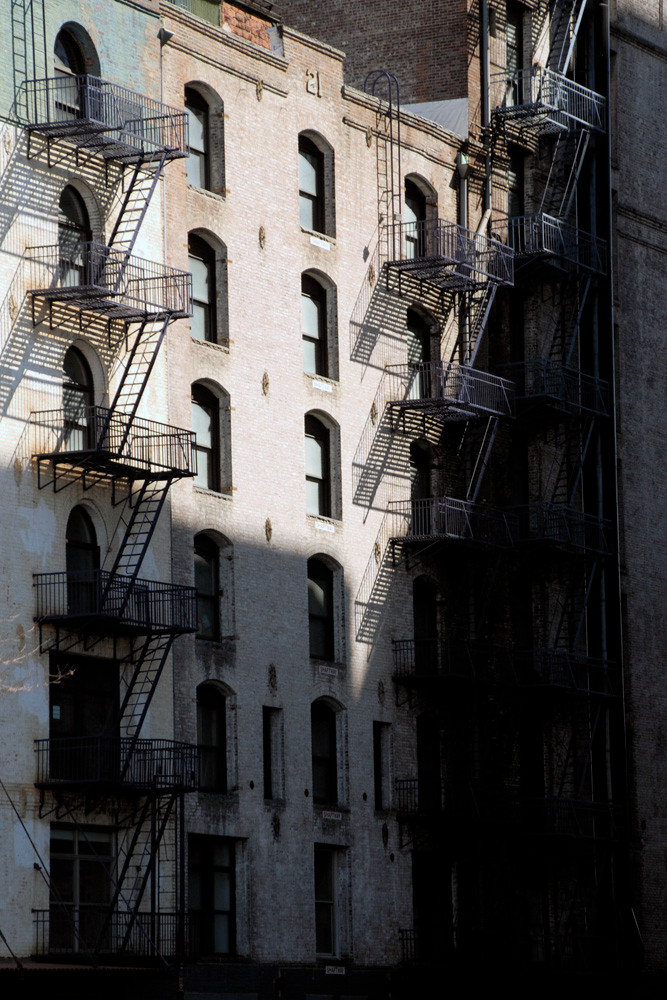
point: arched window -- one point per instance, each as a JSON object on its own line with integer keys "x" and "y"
{"x": 69, "y": 59}
{"x": 314, "y": 326}
{"x": 75, "y": 93}
{"x": 212, "y": 738}
{"x": 321, "y": 610}
{"x": 421, "y": 461}
{"x": 325, "y": 767}
{"x": 316, "y": 184}
{"x": 415, "y": 216}
{"x": 207, "y": 584}
{"x": 206, "y": 425}
{"x": 82, "y": 561}
{"x": 318, "y": 469}
{"x": 419, "y": 355}
{"x": 73, "y": 233}
{"x": 77, "y": 400}
{"x": 197, "y": 163}
{"x": 311, "y": 185}
{"x": 201, "y": 261}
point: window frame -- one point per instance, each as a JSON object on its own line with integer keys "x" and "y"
{"x": 319, "y": 572}
{"x": 312, "y": 201}
{"x": 316, "y": 430}
{"x": 325, "y": 864}
{"x": 208, "y": 403}
{"x": 69, "y": 912}
{"x": 195, "y": 102}
{"x": 201, "y": 251}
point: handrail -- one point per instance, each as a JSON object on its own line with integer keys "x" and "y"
{"x": 545, "y": 91}
{"x": 144, "y": 763}
{"x": 547, "y": 234}
{"x": 449, "y": 251}
{"x": 452, "y": 385}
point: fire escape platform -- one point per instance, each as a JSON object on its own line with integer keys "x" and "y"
{"x": 111, "y": 444}
{"x": 447, "y": 256}
{"x": 546, "y": 101}
{"x": 112, "y": 121}
{"x": 112, "y": 604}
{"x": 449, "y": 391}
{"x": 114, "y": 764}
{"x": 547, "y": 383}
{"x": 92, "y": 277}
{"x": 451, "y": 519}
{"x": 544, "y": 236}
{"x": 564, "y": 527}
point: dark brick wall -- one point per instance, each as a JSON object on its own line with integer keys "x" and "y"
{"x": 422, "y": 42}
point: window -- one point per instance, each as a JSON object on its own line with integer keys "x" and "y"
{"x": 320, "y": 610}
{"x": 201, "y": 261}
{"x": 197, "y": 165}
{"x": 212, "y": 738}
{"x": 83, "y": 708}
{"x": 419, "y": 355}
{"x": 321, "y": 498}
{"x": 81, "y": 864}
{"x": 207, "y": 577}
{"x": 425, "y": 621}
{"x": 205, "y": 424}
{"x": 313, "y": 326}
{"x": 428, "y": 763}
{"x": 73, "y": 233}
{"x": 77, "y": 400}
{"x": 82, "y": 560}
{"x": 381, "y": 775}
{"x": 421, "y": 462}
{"x": 311, "y": 185}
{"x": 212, "y": 894}
{"x": 271, "y": 740}
{"x": 325, "y": 909}
{"x": 325, "y": 769}
{"x": 415, "y": 216}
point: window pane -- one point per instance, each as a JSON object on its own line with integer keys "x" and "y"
{"x": 314, "y": 458}
{"x": 308, "y": 173}
{"x": 221, "y": 890}
{"x": 311, "y": 355}
{"x": 221, "y": 944}
{"x": 307, "y": 212}
{"x": 314, "y": 498}
{"x": 310, "y": 316}
{"x": 204, "y": 574}
{"x": 197, "y": 128}
{"x": 201, "y": 279}
{"x": 222, "y": 855}
{"x": 318, "y": 603}
{"x": 202, "y": 422}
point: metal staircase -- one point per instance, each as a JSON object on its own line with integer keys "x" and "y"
{"x": 566, "y": 18}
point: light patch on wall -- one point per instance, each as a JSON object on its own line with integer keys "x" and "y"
{"x": 24, "y": 854}
{"x": 39, "y": 532}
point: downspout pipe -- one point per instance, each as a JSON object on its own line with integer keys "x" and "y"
{"x": 485, "y": 73}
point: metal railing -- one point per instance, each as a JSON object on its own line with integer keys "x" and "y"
{"x": 569, "y": 817}
{"x": 68, "y": 929}
{"x": 87, "y": 108}
{"x": 447, "y": 254}
{"x": 563, "y": 525}
{"x": 145, "y": 445}
{"x": 447, "y": 517}
{"x": 87, "y": 760}
{"x": 438, "y": 657}
{"x": 546, "y": 234}
{"x": 539, "y": 92}
{"x": 564, "y": 385}
{"x": 97, "y": 277}
{"x": 142, "y": 605}
{"x": 452, "y": 386}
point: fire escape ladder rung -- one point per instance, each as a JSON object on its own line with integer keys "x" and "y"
{"x": 136, "y": 373}
{"x": 141, "y": 688}
{"x": 140, "y": 528}
{"x": 135, "y": 204}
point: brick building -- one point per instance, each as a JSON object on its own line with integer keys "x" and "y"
{"x": 313, "y": 678}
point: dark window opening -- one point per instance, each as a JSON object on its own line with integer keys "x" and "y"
{"x": 212, "y": 738}
{"x": 81, "y": 865}
{"x": 415, "y": 215}
{"x": 320, "y": 610}
{"x": 325, "y": 770}
{"x": 325, "y": 923}
{"x": 207, "y": 583}
{"x": 212, "y": 895}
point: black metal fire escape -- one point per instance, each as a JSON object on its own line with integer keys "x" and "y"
{"x": 140, "y": 459}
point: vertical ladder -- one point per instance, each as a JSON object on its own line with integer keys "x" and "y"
{"x": 28, "y": 40}
{"x": 390, "y": 178}
{"x": 137, "y": 197}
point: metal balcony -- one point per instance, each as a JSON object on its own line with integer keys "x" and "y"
{"x": 579, "y": 819}
{"x": 114, "y": 604}
{"x": 84, "y": 930}
{"x": 564, "y": 526}
{"x": 449, "y": 391}
{"x": 429, "y": 659}
{"x": 83, "y": 762}
{"x": 546, "y": 101}
{"x": 558, "y": 386}
{"x": 545, "y": 235}
{"x": 447, "y": 256}
{"x": 450, "y": 518}
{"x": 542, "y": 668}
{"x": 95, "y": 278}
{"x": 104, "y": 440}
{"x": 108, "y": 119}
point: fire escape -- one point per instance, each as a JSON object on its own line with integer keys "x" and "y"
{"x": 135, "y": 461}
{"x": 564, "y": 689}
